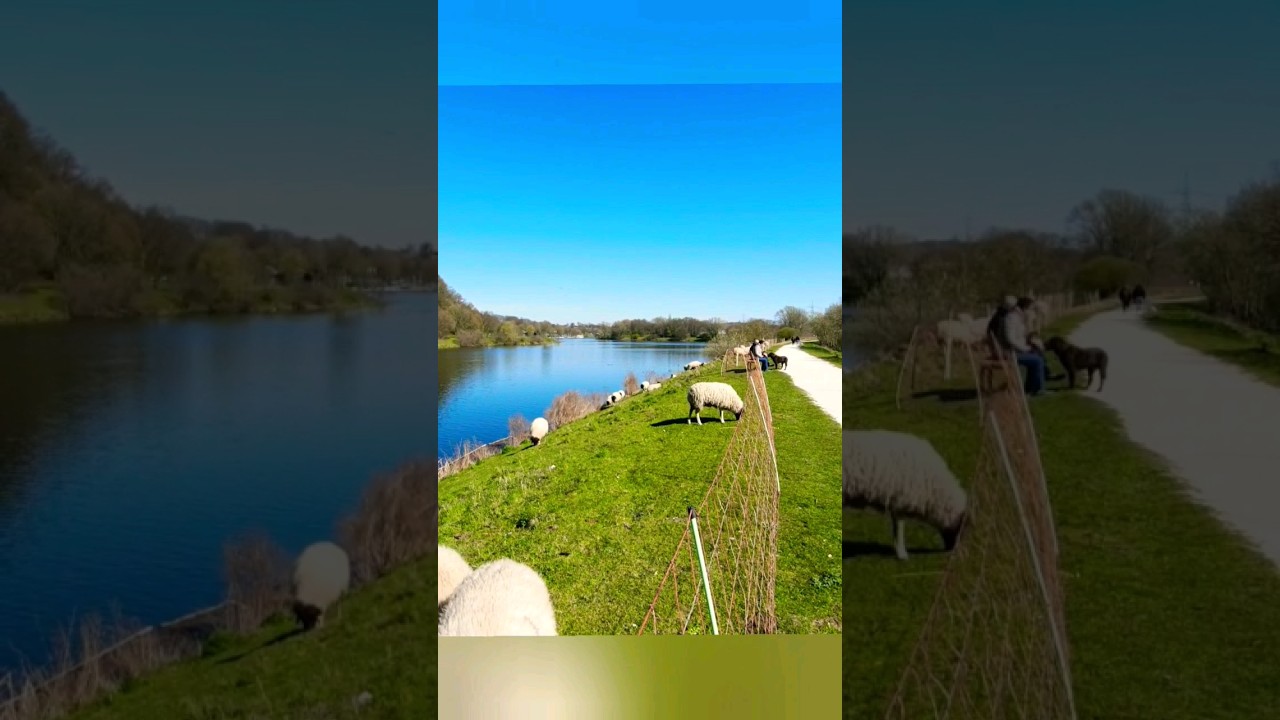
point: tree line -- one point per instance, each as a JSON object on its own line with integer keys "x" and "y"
{"x": 72, "y": 237}
{"x": 1115, "y": 239}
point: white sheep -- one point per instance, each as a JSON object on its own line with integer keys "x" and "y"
{"x": 740, "y": 354}
{"x": 964, "y": 330}
{"x": 320, "y": 576}
{"x": 502, "y": 598}
{"x": 650, "y": 386}
{"x": 538, "y": 429}
{"x": 713, "y": 394}
{"x": 693, "y": 365}
{"x": 451, "y": 570}
{"x": 904, "y": 476}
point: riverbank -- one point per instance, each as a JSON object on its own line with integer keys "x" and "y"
{"x": 1169, "y": 613}
{"x": 1192, "y": 325}
{"x": 451, "y": 343}
{"x": 256, "y": 662}
{"x": 835, "y": 357}
{"x": 49, "y": 305}
{"x": 592, "y": 507}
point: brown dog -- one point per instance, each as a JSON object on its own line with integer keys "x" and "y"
{"x": 1075, "y": 359}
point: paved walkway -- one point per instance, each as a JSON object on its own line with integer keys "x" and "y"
{"x": 819, "y": 379}
{"x": 1217, "y": 426}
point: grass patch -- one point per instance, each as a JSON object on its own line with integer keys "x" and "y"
{"x": 1192, "y": 325}
{"x": 379, "y": 640}
{"x": 823, "y": 353}
{"x": 599, "y": 506}
{"x": 1170, "y": 615}
{"x": 43, "y": 305}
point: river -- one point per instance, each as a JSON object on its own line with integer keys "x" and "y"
{"x": 131, "y": 452}
{"x": 480, "y": 389}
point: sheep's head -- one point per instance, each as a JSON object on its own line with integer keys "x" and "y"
{"x": 306, "y": 614}
{"x": 951, "y": 535}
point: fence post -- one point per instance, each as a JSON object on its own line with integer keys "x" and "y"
{"x": 702, "y": 563}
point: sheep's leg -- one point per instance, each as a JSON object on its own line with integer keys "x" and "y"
{"x": 899, "y": 536}
{"x": 698, "y": 415}
{"x": 946, "y": 372}
{"x": 722, "y": 416}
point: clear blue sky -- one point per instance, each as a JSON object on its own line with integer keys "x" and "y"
{"x": 638, "y": 42}
{"x": 1014, "y": 112}
{"x": 599, "y": 203}
{"x": 315, "y": 117}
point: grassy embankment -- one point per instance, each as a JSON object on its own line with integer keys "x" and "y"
{"x": 48, "y": 304}
{"x": 380, "y": 640}
{"x": 1192, "y": 325}
{"x": 1170, "y": 615}
{"x": 598, "y": 507}
{"x": 835, "y": 357}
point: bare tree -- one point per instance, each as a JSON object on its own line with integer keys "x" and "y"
{"x": 1123, "y": 224}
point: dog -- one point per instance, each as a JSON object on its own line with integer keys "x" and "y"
{"x": 1075, "y": 359}
{"x": 779, "y": 361}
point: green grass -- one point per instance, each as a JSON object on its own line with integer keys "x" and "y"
{"x": 380, "y": 639}
{"x": 1169, "y": 614}
{"x": 823, "y": 353}
{"x": 598, "y": 508}
{"x": 1192, "y": 325}
{"x": 44, "y": 305}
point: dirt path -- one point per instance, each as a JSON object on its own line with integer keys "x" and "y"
{"x": 819, "y": 379}
{"x": 1217, "y": 426}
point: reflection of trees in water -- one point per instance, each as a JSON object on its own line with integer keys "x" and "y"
{"x": 48, "y": 376}
{"x": 455, "y": 366}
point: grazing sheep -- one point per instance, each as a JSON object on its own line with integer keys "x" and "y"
{"x": 320, "y": 576}
{"x": 904, "y": 476}
{"x": 502, "y": 598}
{"x": 648, "y": 386}
{"x": 538, "y": 429}
{"x": 740, "y": 354}
{"x": 615, "y": 397}
{"x": 693, "y": 365}
{"x": 451, "y": 570}
{"x": 713, "y": 394}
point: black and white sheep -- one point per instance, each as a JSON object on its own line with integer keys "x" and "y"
{"x": 615, "y": 397}
{"x": 451, "y": 570}
{"x": 648, "y": 386}
{"x": 502, "y": 598}
{"x": 716, "y": 395}
{"x": 321, "y": 575}
{"x": 538, "y": 429}
{"x": 693, "y": 365}
{"x": 903, "y": 476}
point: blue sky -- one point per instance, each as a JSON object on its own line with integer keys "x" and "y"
{"x": 314, "y": 117}
{"x": 638, "y": 42}
{"x": 599, "y": 203}
{"x": 1013, "y": 112}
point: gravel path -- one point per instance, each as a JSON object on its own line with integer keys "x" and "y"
{"x": 819, "y": 379}
{"x": 1217, "y": 426}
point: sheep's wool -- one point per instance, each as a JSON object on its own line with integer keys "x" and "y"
{"x": 321, "y": 575}
{"x": 502, "y": 598}
{"x": 900, "y": 473}
{"x": 451, "y": 570}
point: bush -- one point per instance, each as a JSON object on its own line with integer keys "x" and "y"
{"x": 518, "y": 429}
{"x": 100, "y": 291}
{"x": 470, "y": 338}
{"x": 257, "y": 576}
{"x": 630, "y": 384}
{"x": 394, "y": 524}
{"x": 571, "y": 406}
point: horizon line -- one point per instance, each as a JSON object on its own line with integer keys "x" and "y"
{"x": 654, "y": 84}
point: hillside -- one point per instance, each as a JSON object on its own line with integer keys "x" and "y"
{"x": 380, "y": 640}
{"x": 597, "y": 508}
{"x": 70, "y": 246}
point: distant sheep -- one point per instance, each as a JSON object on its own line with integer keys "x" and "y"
{"x": 693, "y": 365}
{"x": 538, "y": 429}
{"x": 499, "y": 599}
{"x": 964, "y": 330}
{"x": 615, "y": 397}
{"x": 713, "y": 394}
{"x": 650, "y": 386}
{"x": 451, "y": 570}
{"x": 320, "y": 576}
{"x": 904, "y": 476}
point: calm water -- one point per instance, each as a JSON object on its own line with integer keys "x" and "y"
{"x": 129, "y": 453}
{"x": 480, "y": 389}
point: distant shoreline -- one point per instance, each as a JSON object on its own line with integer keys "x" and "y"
{"x": 47, "y": 306}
